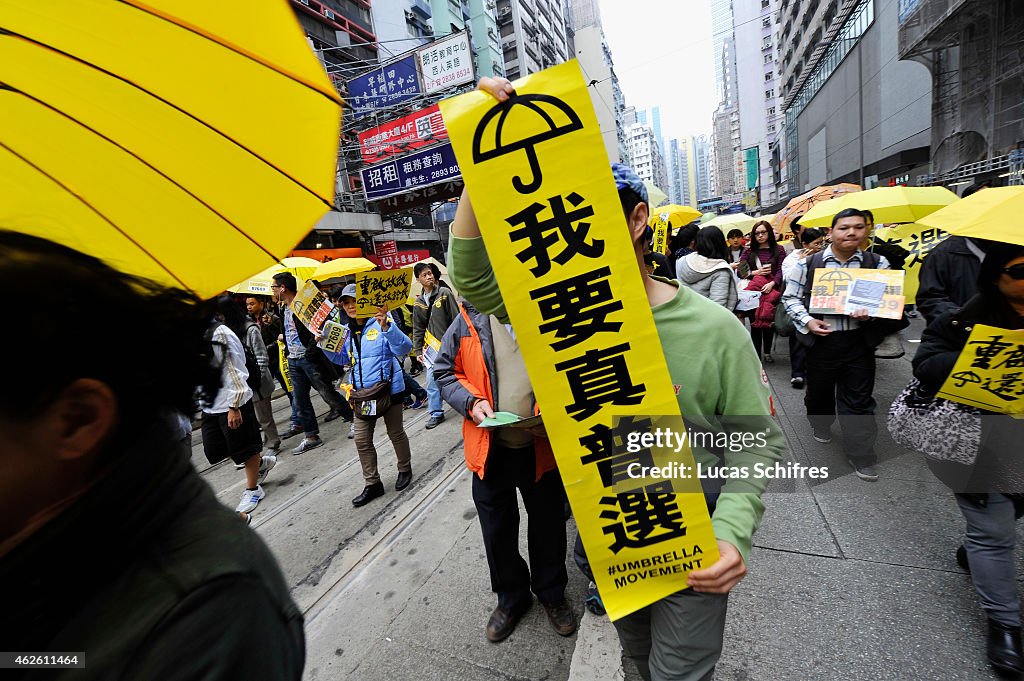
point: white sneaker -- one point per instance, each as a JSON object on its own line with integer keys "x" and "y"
{"x": 250, "y": 498}
{"x": 307, "y": 444}
{"x": 266, "y": 464}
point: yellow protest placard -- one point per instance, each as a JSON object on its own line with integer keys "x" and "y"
{"x": 389, "y": 288}
{"x": 311, "y": 306}
{"x": 840, "y": 290}
{"x": 989, "y": 373}
{"x": 551, "y": 220}
{"x": 917, "y": 242}
{"x": 282, "y": 363}
{"x": 334, "y": 335}
{"x": 659, "y": 244}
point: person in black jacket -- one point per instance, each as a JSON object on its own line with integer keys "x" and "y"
{"x": 110, "y": 542}
{"x": 949, "y": 275}
{"x": 991, "y": 492}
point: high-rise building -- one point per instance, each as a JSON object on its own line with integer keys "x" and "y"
{"x": 725, "y": 133}
{"x": 401, "y": 25}
{"x": 477, "y": 17}
{"x": 342, "y": 33}
{"x": 648, "y": 160}
{"x": 757, "y": 95}
{"x": 853, "y": 111}
{"x": 681, "y": 161}
{"x": 532, "y": 35}
{"x": 595, "y": 60}
{"x": 972, "y": 50}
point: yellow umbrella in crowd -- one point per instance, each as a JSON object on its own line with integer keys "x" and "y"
{"x": 181, "y": 141}
{"x": 655, "y": 197}
{"x": 799, "y": 205}
{"x": 993, "y": 213}
{"x": 887, "y": 204}
{"x": 334, "y": 271}
{"x": 732, "y": 221}
{"x": 260, "y": 283}
{"x": 675, "y": 214}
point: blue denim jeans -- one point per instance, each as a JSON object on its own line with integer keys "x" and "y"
{"x": 305, "y": 375}
{"x": 433, "y": 395}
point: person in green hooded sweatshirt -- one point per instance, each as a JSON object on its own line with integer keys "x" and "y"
{"x": 716, "y": 373}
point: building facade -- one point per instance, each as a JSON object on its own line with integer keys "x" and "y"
{"x": 853, "y": 111}
{"x": 973, "y": 52}
{"x": 533, "y": 35}
{"x": 725, "y": 131}
{"x": 648, "y": 160}
{"x": 401, "y": 25}
{"x": 478, "y": 18}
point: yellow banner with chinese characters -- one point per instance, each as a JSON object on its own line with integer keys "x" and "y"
{"x": 282, "y": 359}
{"x": 659, "y": 244}
{"x": 841, "y": 290}
{"x": 989, "y": 373}
{"x": 917, "y": 242}
{"x": 389, "y": 288}
{"x": 550, "y": 216}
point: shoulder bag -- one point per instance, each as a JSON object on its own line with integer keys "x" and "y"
{"x": 942, "y": 430}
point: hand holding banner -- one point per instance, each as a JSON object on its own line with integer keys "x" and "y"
{"x": 389, "y": 289}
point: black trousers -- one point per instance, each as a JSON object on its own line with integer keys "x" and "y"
{"x": 498, "y": 508}
{"x": 763, "y": 340}
{"x": 841, "y": 380}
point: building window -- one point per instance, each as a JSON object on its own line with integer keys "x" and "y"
{"x": 769, "y": 94}
{"x": 765, "y": 4}
{"x": 766, "y": 41}
{"x": 767, "y": 77}
{"x": 771, "y": 111}
{"x": 766, "y": 22}
{"x": 771, "y": 127}
{"x": 768, "y": 58}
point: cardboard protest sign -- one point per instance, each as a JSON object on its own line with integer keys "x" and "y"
{"x": 551, "y": 219}
{"x": 989, "y": 373}
{"x": 375, "y": 290}
{"x": 917, "y": 242}
{"x": 830, "y": 292}
{"x": 311, "y": 306}
{"x": 334, "y": 336}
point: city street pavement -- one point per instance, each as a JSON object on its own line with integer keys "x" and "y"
{"x": 848, "y": 579}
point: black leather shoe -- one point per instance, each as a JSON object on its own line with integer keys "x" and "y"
{"x": 403, "y": 480}
{"x": 369, "y": 493}
{"x": 502, "y": 623}
{"x": 1004, "y": 648}
{"x": 333, "y": 414}
{"x": 561, "y": 616}
{"x": 292, "y": 432}
{"x": 434, "y": 421}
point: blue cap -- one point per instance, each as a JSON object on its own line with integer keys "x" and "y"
{"x": 627, "y": 177}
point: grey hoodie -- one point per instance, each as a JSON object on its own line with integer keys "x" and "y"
{"x": 710, "y": 277}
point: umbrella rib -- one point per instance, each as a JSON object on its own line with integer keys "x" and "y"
{"x": 237, "y": 49}
{"x": 151, "y": 167}
{"x": 543, "y": 114}
{"x": 174, "y": 106}
{"x": 103, "y": 217}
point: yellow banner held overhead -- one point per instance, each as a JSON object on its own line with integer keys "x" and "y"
{"x": 550, "y": 216}
{"x": 389, "y": 288}
{"x": 917, "y": 241}
{"x": 989, "y": 373}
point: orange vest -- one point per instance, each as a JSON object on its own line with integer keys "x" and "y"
{"x": 471, "y": 372}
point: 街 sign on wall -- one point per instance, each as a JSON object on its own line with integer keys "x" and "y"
{"x": 989, "y": 373}
{"x": 550, "y": 216}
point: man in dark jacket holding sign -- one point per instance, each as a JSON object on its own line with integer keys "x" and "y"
{"x": 435, "y": 310}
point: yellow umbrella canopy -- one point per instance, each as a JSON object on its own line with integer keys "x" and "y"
{"x": 801, "y": 204}
{"x": 179, "y": 140}
{"x": 887, "y": 204}
{"x": 333, "y": 271}
{"x": 732, "y": 220}
{"x": 993, "y": 213}
{"x": 260, "y": 283}
{"x": 655, "y": 197}
{"x": 674, "y": 213}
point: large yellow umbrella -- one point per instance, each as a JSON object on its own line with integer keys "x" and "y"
{"x": 184, "y": 141}
{"x": 732, "y": 221}
{"x": 887, "y": 204}
{"x": 260, "y": 283}
{"x": 333, "y": 271}
{"x": 799, "y": 205}
{"x": 674, "y": 213}
{"x": 993, "y": 213}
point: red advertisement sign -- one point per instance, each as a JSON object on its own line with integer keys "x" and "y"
{"x": 399, "y": 259}
{"x": 402, "y": 135}
{"x": 383, "y": 248}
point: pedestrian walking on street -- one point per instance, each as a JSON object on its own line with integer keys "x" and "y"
{"x": 308, "y": 367}
{"x": 841, "y": 348}
{"x": 252, "y": 340}
{"x": 435, "y": 310}
{"x": 812, "y": 240}
{"x": 707, "y": 270}
{"x": 264, "y": 313}
{"x": 990, "y": 493}
{"x": 374, "y": 349}
{"x": 480, "y": 370}
{"x": 763, "y": 258}
{"x": 230, "y": 427}
{"x": 110, "y": 541}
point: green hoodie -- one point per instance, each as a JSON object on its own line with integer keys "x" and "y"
{"x": 713, "y": 367}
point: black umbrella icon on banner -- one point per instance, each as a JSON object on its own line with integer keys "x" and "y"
{"x": 550, "y": 116}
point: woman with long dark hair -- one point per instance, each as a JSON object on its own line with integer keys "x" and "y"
{"x": 764, "y": 257}
{"x": 707, "y": 270}
{"x": 990, "y": 493}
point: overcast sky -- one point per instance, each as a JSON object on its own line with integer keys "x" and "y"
{"x": 662, "y": 52}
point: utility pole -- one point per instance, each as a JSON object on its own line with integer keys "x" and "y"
{"x": 860, "y": 106}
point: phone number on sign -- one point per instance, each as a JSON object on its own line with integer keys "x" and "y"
{"x": 445, "y": 172}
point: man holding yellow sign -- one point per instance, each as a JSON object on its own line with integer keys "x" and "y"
{"x": 589, "y": 327}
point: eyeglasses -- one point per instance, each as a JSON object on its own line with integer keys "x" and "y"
{"x": 761, "y": 233}
{"x": 1015, "y": 272}
{"x": 277, "y": 286}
